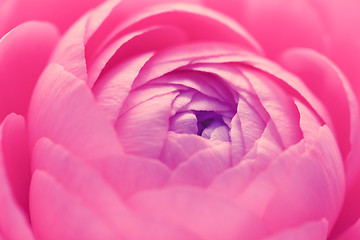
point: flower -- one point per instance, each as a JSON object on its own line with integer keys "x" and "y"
{"x": 166, "y": 120}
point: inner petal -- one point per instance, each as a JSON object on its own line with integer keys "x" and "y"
{"x": 207, "y": 124}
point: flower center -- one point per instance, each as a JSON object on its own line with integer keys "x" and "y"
{"x": 207, "y": 124}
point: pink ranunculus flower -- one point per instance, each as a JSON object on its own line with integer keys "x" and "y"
{"x": 169, "y": 120}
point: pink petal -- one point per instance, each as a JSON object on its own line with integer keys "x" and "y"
{"x": 142, "y": 129}
{"x": 63, "y": 110}
{"x": 73, "y": 41}
{"x": 14, "y": 222}
{"x": 130, "y": 45}
{"x": 303, "y": 183}
{"x": 168, "y": 60}
{"x": 202, "y": 167}
{"x": 16, "y": 158}
{"x": 352, "y": 233}
{"x": 7, "y": 9}
{"x": 105, "y": 32}
{"x": 113, "y": 87}
{"x": 278, "y": 24}
{"x": 344, "y": 46}
{"x": 204, "y": 214}
{"x": 229, "y": 73}
{"x": 326, "y": 81}
{"x": 309, "y": 122}
{"x": 279, "y": 106}
{"x": 351, "y": 209}
{"x": 22, "y": 64}
{"x": 184, "y": 122}
{"x": 58, "y": 214}
{"x": 179, "y": 147}
{"x": 229, "y": 55}
{"x": 79, "y": 179}
{"x": 22, "y": 10}
{"x": 314, "y": 186}
{"x": 193, "y": 19}
{"x": 315, "y": 230}
{"x": 234, "y": 180}
{"x": 246, "y": 127}
{"x": 205, "y": 83}
{"x": 129, "y": 174}
{"x": 63, "y": 187}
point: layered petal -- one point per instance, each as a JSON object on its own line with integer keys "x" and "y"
{"x": 280, "y": 19}
{"x": 316, "y": 230}
{"x": 64, "y": 110}
{"x": 189, "y": 207}
{"x": 19, "y": 11}
{"x": 21, "y": 64}
{"x": 14, "y": 221}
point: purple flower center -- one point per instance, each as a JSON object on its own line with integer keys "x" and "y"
{"x": 207, "y": 124}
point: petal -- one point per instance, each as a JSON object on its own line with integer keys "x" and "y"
{"x": 246, "y": 127}
{"x": 190, "y": 207}
{"x": 142, "y": 130}
{"x": 130, "y": 45}
{"x": 63, "y": 110}
{"x": 202, "y": 167}
{"x": 14, "y": 222}
{"x": 351, "y": 233}
{"x": 179, "y": 147}
{"x": 129, "y": 174}
{"x": 194, "y": 18}
{"x": 79, "y": 179}
{"x": 24, "y": 53}
{"x": 113, "y": 87}
{"x": 206, "y": 83}
{"x": 315, "y": 230}
{"x": 278, "y": 24}
{"x": 313, "y": 189}
{"x": 58, "y": 214}
{"x": 303, "y": 183}
{"x": 73, "y": 41}
{"x": 7, "y": 9}
{"x": 234, "y": 180}
{"x": 280, "y": 107}
{"x": 179, "y": 56}
{"x": 22, "y": 10}
{"x": 344, "y": 46}
{"x": 16, "y": 158}
{"x": 184, "y": 122}
{"x": 326, "y": 81}
{"x": 64, "y": 186}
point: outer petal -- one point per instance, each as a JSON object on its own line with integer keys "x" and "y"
{"x": 64, "y": 206}
{"x": 78, "y": 180}
{"x": 24, "y": 52}
{"x": 311, "y": 231}
{"x": 14, "y": 223}
{"x": 277, "y": 24}
{"x": 19, "y": 11}
{"x": 326, "y": 81}
{"x": 341, "y": 18}
{"x": 57, "y": 214}
{"x": 306, "y": 182}
{"x": 189, "y": 207}
{"x": 64, "y": 110}
{"x": 353, "y": 233}
{"x": 306, "y": 194}
{"x": 14, "y": 147}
